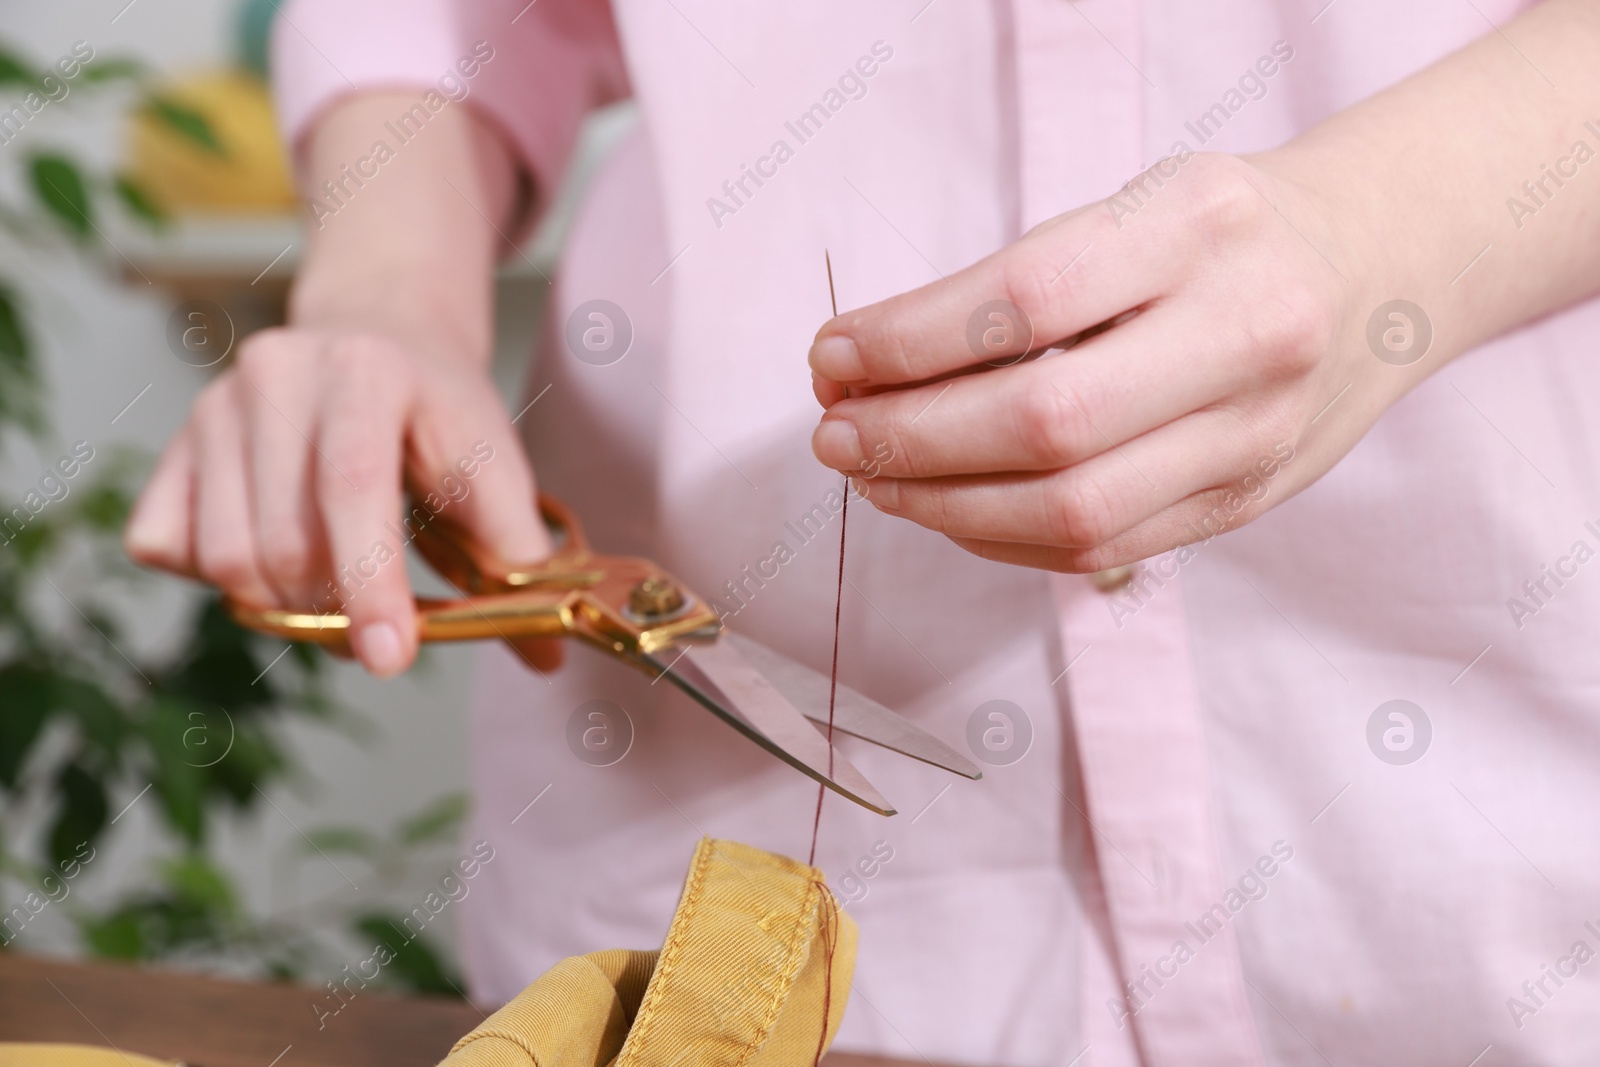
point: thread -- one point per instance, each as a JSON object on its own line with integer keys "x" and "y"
{"x": 830, "y": 939}
{"x": 833, "y": 679}
{"x": 838, "y": 603}
{"x": 830, "y": 929}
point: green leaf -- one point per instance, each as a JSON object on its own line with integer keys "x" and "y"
{"x": 186, "y": 122}
{"x": 221, "y": 664}
{"x": 436, "y": 822}
{"x": 100, "y": 718}
{"x": 105, "y": 507}
{"x": 33, "y": 541}
{"x": 156, "y": 925}
{"x": 27, "y": 704}
{"x": 254, "y": 760}
{"x": 348, "y": 839}
{"x": 81, "y": 815}
{"x": 19, "y": 384}
{"x": 105, "y": 70}
{"x": 178, "y": 778}
{"x": 15, "y": 70}
{"x": 140, "y": 204}
{"x": 197, "y": 907}
{"x": 415, "y": 966}
{"x": 118, "y": 936}
{"x": 195, "y": 879}
{"x": 15, "y": 352}
{"x": 60, "y": 187}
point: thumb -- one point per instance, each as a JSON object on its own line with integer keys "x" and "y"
{"x": 492, "y": 490}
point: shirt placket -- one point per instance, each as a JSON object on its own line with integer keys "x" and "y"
{"x": 1135, "y": 714}
{"x": 1080, "y": 120}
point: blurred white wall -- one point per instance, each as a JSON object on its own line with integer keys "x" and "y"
{"x": 104, "y": 344}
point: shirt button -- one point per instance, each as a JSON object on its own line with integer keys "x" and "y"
{"x": 1112, "y": 578}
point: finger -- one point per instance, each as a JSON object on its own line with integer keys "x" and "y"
{"x": 466, "y": 459}
{"x": 1039, "y": 557}
{"x": 225, "y": 547}
{"x": 541, "y": 654}
{"x": 357, "y": 488}
{"x": 278, "y": 407}
{"x": 1161, "y": 533}
{"x": 828, "y": 393}
{"x": 1094, "y": 502}
{"x": 1043, "y": 415}
{"x": 160, "y": 532}
{"x": 1192, "y": 522}
{"x": 1064, "y": 277}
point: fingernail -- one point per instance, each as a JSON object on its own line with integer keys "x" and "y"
{"x": 377, "y": 646}
{"x": 137, "y": 539}
{"x": 837, "y": 444}
{"x": 142, "y": 533}
{"x": 885, "y": 493}
{"x": 836, "y": 358}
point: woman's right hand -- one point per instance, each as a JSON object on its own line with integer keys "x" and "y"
{"x": 285, "y": 486}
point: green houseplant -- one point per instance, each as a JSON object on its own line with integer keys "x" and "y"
{"x": 199, "y": 734}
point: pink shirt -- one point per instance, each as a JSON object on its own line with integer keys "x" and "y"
{"x": 1214, "y": 850}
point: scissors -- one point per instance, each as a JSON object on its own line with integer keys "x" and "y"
{"x": 634, "y": 610}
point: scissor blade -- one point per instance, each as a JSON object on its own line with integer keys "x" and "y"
{"x": 853, "y": 713}
{"x": 722, "y": 680}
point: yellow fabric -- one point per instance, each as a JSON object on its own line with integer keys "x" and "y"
{"x": 16, "y": 1054}
{"x": 758, "y": 958}
{"x": 577, "y": 1013}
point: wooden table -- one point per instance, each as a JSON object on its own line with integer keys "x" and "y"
{"x": 212, "y": 1022}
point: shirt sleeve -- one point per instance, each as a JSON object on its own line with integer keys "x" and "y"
{"x": 533, "y": 69}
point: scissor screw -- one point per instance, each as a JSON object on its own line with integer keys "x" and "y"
{"x": 655, "y": 597}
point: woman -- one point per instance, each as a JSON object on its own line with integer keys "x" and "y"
{"x": 1313, "y": 789}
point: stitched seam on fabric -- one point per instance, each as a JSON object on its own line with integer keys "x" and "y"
{"x": 828, "y": 922}
{"x": 695, "y": 894}
{"x": 504, "y": 1035}
{"x": 795, "y": 944}
{"x": 799, "y": 945}
{"x": 671, "y": 952}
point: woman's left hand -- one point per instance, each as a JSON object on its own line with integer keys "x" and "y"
{"x": 1243, "y": 373}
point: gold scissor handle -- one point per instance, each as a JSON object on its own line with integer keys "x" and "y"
{"x": 459, "y": 560}
{"x": 624, "y": 604}
{"x": 534, "y": 614}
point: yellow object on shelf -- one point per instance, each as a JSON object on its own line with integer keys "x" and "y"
{"x": 41, "y": 1055}
{"x": 252, "y": 174}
